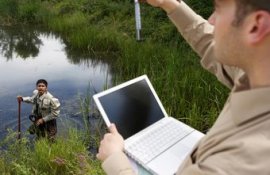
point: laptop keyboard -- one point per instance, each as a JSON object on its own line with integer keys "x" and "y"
{"x": 157, "y": 140}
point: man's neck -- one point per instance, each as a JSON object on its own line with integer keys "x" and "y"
{"x": 259, "y": 75}
{"x": 40, "y": 94}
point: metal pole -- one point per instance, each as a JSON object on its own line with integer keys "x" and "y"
{"x": 19, "y": 119}
{"x": 138, "y": 20}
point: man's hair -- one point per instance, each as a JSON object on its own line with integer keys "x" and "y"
{"x": 42, "y": 81}
{"x": 244, "y": 7}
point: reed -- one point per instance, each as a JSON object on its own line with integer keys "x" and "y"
{"x": 68, "y": 23}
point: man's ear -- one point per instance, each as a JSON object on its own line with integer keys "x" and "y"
{"x": 258, "y": 27}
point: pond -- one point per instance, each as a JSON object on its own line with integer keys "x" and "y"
{"x": 28, "y": 54}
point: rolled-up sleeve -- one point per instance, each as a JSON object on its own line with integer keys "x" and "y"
{"x": 30, "y": 99}
{"x": 118, "y": 164}
{"x": 198, "y": 32}
{"x": 247, "y": 156}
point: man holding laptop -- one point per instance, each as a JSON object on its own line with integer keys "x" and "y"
{"x": 234, "y": 45}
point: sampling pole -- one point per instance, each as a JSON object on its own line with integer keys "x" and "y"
{"x": 19, "y": 119}
{"x": 138, "y": 20}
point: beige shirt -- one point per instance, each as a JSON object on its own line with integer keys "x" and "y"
{"x": 239, "y": 141}
{"x": 48, "y": 105}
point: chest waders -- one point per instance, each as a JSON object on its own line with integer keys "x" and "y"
{"x": 48, "y": 129}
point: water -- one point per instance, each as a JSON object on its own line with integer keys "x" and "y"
{"x": 27, "y": 55}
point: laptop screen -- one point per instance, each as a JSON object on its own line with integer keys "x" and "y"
{"x": 132, "y": 108}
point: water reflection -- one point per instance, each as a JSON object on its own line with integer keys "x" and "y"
{"x": 24, "y": 43}
{"x": 23, "y": 60}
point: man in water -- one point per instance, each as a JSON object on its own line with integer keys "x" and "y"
{"x": 234, "y": 45}
{"x": 46, "y": 109}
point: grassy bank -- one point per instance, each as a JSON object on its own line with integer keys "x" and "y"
{"x": 67, "y": 156}
{"x": 186, "y": 90}
{"x": 72, "y": 153}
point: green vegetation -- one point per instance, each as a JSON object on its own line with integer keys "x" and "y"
{"x": 107, "y": 26}
{"x": 66, "y": 156}
{"x": 73, "y": 152}
{"x": 94, "y": 127}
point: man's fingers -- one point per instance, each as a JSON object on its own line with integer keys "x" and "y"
{"x": 19, "y": 98}
{"x": 113, "y": 129}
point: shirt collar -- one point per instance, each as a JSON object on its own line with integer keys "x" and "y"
{"x": 249, "y": 104}
{"x": 42, "y": 96}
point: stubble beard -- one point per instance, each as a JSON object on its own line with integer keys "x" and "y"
{"x": 229, "y": 51}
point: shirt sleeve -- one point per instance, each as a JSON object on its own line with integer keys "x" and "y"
{"x": 198, "y": 32}
{"x": 55, "y": 110}
{"x": 30, "y": 99}
{"x": 246, "y": 156}
{"x": 118, "y": 164}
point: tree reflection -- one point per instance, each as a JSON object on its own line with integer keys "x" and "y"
{"x": 88, "y": 58}
{"x": 23, "y": 42}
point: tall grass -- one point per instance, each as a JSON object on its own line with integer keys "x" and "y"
{"x": 94, "y": 127}
{"x": 8, "y": 11}
{"x": 67, "y": 156}
{"x": 187, "y": 91}
{"x": 73, "y": 152}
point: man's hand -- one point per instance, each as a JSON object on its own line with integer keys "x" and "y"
{"x": 39, "y": 122}
{"x": 19, "y": 99}
{"x": 155, "y": 3}
{"x": 112, "y": 142}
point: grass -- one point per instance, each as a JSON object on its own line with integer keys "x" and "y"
{"x": 67, "y": 156}
{"x": 187, "y": 92}
{"x": 94, "y": 127}
{"x": 72, "y": 153}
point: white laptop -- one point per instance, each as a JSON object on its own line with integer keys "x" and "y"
{"x": 153, "y": 139}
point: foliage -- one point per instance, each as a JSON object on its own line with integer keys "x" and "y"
{"x": 104, "y": 14}
{"x": 94, "y": 128}
{"x": 65, "y": 156}
{"x": 202, "y": 7}
{"x": 8, "y": 11}
{"x": 9, "y": 7}
{"x": 28, "y": 9}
